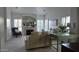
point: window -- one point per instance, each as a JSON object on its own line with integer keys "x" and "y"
{"x": 46, "y": 25}
{"x": 52, "y": 24}
{"x": 65, "y": 20}
{"x": 40, "y": 25}
{"x": 18, "y": 23}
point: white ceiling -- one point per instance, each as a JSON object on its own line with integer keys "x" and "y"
{"x": 50, "y": 12}
{"x": 40, "y": 10}
{"x": 29, "y": 10}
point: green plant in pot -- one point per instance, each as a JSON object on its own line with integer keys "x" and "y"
{"x": 63, "y": 28}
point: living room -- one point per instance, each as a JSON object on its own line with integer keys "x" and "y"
{"x": 34, "y": 29}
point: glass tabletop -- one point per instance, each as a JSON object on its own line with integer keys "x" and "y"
{"x": 65, "y": 38}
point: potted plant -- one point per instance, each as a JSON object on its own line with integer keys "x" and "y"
{"x": 62, "y": 28}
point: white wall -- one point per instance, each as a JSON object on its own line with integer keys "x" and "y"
{"x": 73, "y": 19}
{"x": 2, "y": 28}
{"x": 8, "y": 16}
{"x": 78, "y": 20}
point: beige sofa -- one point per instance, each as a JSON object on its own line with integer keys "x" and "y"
{"x": 38, "y": 39}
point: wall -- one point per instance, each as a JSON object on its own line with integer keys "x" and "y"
{"x": 73, "y": 19}
{"x": 74, "y": 13}
{"x": 2, "y": 28}
{"x": 8, "y": 20}
{"x": 78, "y": 20}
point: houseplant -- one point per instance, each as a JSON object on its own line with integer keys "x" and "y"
{"x": 62, "y": 28}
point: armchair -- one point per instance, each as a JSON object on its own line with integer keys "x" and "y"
{"x": 15, "y": 31}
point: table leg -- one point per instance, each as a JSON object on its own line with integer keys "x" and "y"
{"x": 57, "y": 45}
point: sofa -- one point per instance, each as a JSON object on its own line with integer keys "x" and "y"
{"x": 38, "y": 39}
